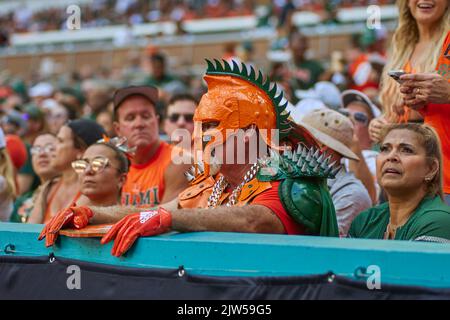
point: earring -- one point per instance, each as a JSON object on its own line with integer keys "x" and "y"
{"x": 428, "y": 179}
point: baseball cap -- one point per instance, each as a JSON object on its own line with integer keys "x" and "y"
{"x": 325, "y": 91}
{"x": 149, "y": 92}
{"x": 331, "y": 129}
{"x": 42, "y": 89}
{"x": 349, "y": 96}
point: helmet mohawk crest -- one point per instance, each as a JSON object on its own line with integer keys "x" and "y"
{"x": 233, "y": 70}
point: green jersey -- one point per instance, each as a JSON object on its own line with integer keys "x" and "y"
{"x": 430, "y": 219}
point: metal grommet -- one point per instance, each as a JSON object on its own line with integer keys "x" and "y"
{"x": 181, "y": 271}
{"x": 360, "y": 272}
{"x": 331, "y": 278}
{"x": 51, "y": 257}
{"x": 10, "y": 248}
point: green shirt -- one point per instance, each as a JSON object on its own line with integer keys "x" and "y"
{"x": 27, "y": 169}
{"x": 431, "y": 218}
{"x": 314, "y": 68}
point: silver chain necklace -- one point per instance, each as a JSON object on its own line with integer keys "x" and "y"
{"x": 221, "y": 184}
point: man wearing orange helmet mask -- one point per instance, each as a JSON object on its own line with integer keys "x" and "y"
{"x": 251, "y": 188}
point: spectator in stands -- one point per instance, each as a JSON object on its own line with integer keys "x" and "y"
{"x": 153, "y": 178}
{"x": 13, "y": 123}
{"x": 73, "y": 140}
{"x": 72, "y": 99}
{"x": 180, "y": 115}
{"x": 409, "y": 168}
{"x": 17, "y": 151}
{"x": 285, "y": 18}
{"x": 58, "y": 115}
{"x": 7, "y": 181}
{"x": 13, "y": 155}
{"x": 334, "y": 134}
{"x": 36, "y": 125}
{"x": 304, "y": 73}
{"x": 358, "y": 107}
{"x": 97, "y": 99}
{"x": 105, "y": 118}
{"x": 420, "y": 45}
{"x": 102, "y": 172}
{"x": 160, "y": 78}
{"x": 40, "y": 92}
{"x": 364, "y": 69}
{"x": 42, "y": 151}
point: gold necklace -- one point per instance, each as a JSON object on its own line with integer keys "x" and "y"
{"x": 221, "y": 184}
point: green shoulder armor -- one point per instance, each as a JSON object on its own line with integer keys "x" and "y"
{"x": 303, "y": 190}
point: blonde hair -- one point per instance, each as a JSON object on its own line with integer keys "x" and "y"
{"x": 404, "y": 41}
{"x": 430, "y": 141}
{"x": 7, "y": 171}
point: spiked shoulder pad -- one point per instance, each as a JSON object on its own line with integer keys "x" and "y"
{"x": 300, "y": 163}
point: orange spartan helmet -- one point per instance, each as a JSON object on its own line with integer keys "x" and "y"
{"x": 237, "y": 99}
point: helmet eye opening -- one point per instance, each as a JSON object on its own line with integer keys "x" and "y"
{"x": 209, "y": 125}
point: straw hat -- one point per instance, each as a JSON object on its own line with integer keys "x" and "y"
{"x": 331, "y": 129}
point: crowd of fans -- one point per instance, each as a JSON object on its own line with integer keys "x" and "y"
{"x": 348, "y": 106}
{"x": 101, "y": 13}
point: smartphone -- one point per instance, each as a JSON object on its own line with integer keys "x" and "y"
{"x": 396, "y": 74}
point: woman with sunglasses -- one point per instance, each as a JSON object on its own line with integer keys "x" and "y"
{"x": 102, "y": 172}
{"x": 73, "y": 140}
{"x": 361, "y": 110}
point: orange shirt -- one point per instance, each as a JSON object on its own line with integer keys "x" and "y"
{"x": 438, "y": 115}
{"x": 145, "y": 182}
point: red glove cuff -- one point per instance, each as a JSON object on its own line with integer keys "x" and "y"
{"x": 165, "y": 218}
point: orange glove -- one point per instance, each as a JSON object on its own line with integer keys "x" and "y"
{"x": 141, "y": 224}
{"x": 77, "y": 217}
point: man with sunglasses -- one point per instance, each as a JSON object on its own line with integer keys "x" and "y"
{"x": 179, "y": 115}
{"x": 361, "y": 110}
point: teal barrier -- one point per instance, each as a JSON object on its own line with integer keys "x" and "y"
{"x": 236, "y": 254}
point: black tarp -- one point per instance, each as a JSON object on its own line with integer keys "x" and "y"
{"x": 38, "y": 278}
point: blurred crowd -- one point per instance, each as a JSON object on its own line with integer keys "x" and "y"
{"x": 101, "y": 13}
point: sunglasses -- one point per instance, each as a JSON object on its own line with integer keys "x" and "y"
{"x": 360, "y": 117}
{"x": 97, "y": 164}
{"x": 189, "y": 117}
{"x": 37, "y": 150}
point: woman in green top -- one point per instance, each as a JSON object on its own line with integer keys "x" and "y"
{"x": 409, "y": 168}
